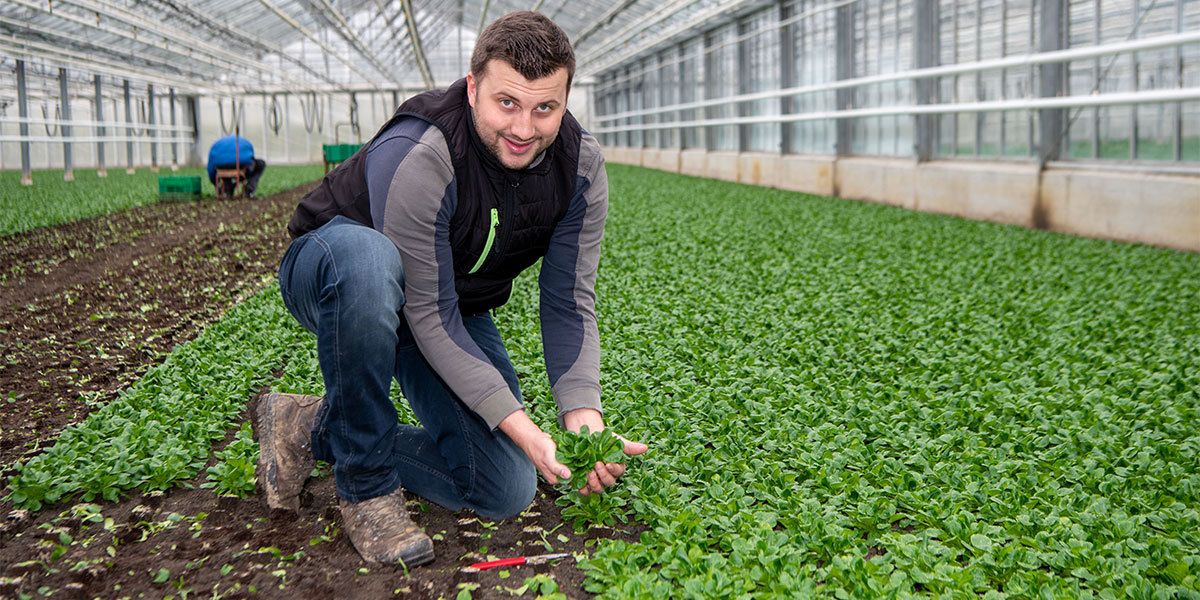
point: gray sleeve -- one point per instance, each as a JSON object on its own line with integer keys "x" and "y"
{"x": 416, "y": 202}
{"x": 570, "y": 338}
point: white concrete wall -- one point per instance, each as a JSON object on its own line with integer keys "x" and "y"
{"x": 998, "y": 192}
{"x": 663, "y": 160}
{"x": 809, "y": 174}
{"x": 722, "y": 165}
{"x": 693, "y": 162}
{"x": 1134, "y": 207}
{"x": 758, "y": 168}
{"x": 887, "y": 180}
{"x": 1163, "y": 210}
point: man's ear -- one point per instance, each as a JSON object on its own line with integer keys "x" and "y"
{"x": 472, "y": 88}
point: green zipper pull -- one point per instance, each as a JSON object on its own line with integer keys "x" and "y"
{"x": 487, "y": 247}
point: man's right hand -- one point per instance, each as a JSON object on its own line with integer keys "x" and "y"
{"x": 537, "y": 445}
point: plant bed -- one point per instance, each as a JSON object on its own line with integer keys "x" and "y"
{"x": 191, "y": 541}
{"x": 841, "y": 399}
{"x": 86, "y": 307}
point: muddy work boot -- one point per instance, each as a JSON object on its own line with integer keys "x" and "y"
{"x": 285, "y": 458}
{"x": 382, "y": 531}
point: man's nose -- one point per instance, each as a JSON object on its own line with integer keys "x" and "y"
{"x": 522, "y": 126}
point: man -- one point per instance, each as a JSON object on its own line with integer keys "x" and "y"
{"x": 399, "y": 255}
{"x": 230, "y": 152}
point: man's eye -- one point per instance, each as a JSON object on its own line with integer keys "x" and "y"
{"x": 506, "y": 103}
{"x": 543, "y": 108}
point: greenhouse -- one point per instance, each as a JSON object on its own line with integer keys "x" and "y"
{"x": 682, "y": 299}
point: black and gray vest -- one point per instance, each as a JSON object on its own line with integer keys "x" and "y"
{"x": 529, "y": 202}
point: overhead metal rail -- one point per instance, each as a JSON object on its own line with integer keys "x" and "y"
{"x": 1022, "y": 60}
{"x": 89, "y": 123}
{"x": 342, "y": 26}
{"x": 389, "y": 24}
{"x": 83, "y": 139}
{"x": 197, "y": 81}
{"x": 601, "y": 57}
{"x": 483, "y": 16}
{"x": 414, "y": 36}
{"x": 329, "y": 51}
{"x": 184, "y": 43}
{"x": 1080, "y": 101}
{"x": 624, "y": 35}
{"x": 101, "y": 25}
{"x": 18, "y": 47}
{"x": 599, "y": 23}
{"x": 192, "y": 76}
{"x": 246, "y": 38}
{"x": 631, "y": 75}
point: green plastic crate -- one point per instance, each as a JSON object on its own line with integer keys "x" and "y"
{"x": 179, "y": 187}
{"x": 336, "y": 153}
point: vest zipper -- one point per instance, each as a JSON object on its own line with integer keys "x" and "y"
{"x": 487, "y": 247}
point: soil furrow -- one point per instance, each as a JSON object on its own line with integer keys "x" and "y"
{"x": 93, "y": 322}
{"x": 85, "y": 309}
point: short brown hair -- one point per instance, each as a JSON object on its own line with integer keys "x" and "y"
{"x": 529, "y": 41}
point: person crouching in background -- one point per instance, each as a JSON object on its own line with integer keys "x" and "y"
{"x": 234, "y": 152}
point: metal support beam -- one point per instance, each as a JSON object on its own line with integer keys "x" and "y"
{"x": 979, "y": 117}
{"x": 153, "y": 140}
{"x": 1134, "y": 67}
{"x": 128, "y": 129}
{"x": 603, "y": 20}
{"x": 329, "y": 51}
{"x": 174, "y": 144}
{"x": 743, "y": 85}
{"x": 483, "y": 16}
{"x": 1177, "y": 130}
{"x": 1052, "y": 79}
{"x": 342, "y": 26}
{"x": 710, "y": 91}
{"x": 262, "y": 149}
{"x": 189, "y": 48}
{"x": 56, "y": 53}
{"x": 925, "y": 48}
{"x": 23, "y": 111}
{"x": 410, "y": 19}
{"x": 100, "y": 132}
{"x": 263, "y": 45}
{"x": 617, "y": 48}
{"x": 287, "y": 118}
{"x": 845, "y": 70}
{"x": 65, "y": 100}
{"x": 193, "y": 118}
{"x": 787, "y": 73}
{"x": 1097, "y": 74}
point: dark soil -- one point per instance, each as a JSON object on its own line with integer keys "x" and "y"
{"x": 85, "y": 309}
{"x": 193, "y": 535}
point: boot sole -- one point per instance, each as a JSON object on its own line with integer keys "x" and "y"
{"x": 423, "y": 558}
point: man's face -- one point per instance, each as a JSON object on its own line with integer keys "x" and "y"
{"x": 516, "y": 118}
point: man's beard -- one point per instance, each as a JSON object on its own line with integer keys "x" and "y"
{"x": 496, "y": 146}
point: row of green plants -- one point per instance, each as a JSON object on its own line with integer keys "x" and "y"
{"x": 852, "y": 400}
{"x": 160, "y": 431}
{"x": 840, "y": 399}
{"x": 52, "y": 201}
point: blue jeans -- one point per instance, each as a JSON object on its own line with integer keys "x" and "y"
{"x": 344, "y": 282}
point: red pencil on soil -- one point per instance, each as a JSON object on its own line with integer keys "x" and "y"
{"x": 514, "y": 561}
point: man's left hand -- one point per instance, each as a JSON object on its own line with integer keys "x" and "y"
{"x": 604, "y": 475}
